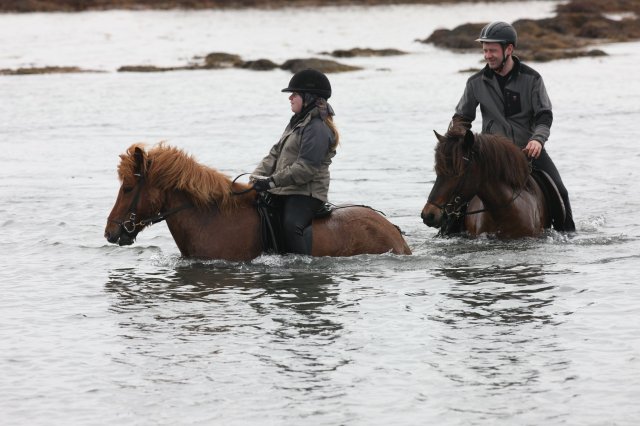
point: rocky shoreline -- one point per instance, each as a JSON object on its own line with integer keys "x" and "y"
{"x": 222, "y": 60}
{"x": 25, "y": 6}
{"x": 578, "y": 26}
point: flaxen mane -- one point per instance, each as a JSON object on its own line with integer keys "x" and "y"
{"x": 496, "y": 156}
{"x": 168, "y": 168}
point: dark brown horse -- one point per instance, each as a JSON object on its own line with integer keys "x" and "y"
{"x": 484, "y": 185}
{"x": 207, "y": 221}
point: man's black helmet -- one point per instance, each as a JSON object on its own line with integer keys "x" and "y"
{"x": 310, "y": 81}
{"x": 499, "y": 32}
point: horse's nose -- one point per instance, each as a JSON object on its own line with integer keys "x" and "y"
{"x": 111, "y": 237}
{"x": 429, "y": 218}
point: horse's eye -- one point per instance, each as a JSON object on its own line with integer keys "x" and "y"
{"x": 127, "y": 189}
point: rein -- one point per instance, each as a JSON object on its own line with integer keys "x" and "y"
{"x": 333, "y": 206}
{"x": 240, "y": 192}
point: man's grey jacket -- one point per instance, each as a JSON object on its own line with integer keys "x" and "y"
{"x": 521, "y": 113}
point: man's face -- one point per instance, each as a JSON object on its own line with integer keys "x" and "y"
{"x": 493, "y": 54}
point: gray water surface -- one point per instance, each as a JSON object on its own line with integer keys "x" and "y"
{"x": 464, "y": 332}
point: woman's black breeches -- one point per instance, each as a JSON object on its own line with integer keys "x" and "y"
{"x": 297, "y": 213}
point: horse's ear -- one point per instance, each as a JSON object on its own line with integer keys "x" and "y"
{"x": 440, "y": 138}
{"x": 138, "y": 155}
{"x": 469, "y": 139}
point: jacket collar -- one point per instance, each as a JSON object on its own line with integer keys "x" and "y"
{"x": 302, "y": 121}
{"x": 488, "y": 72}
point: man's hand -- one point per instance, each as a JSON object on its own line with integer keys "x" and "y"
{"x": 262, "y": 185}
{"x": 533, "y": 148}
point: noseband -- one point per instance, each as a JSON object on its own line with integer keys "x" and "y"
{"x": 456, "y": 207}
{"x": 129, "y": 226}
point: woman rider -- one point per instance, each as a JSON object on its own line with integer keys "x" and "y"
{"x": 296, "y": 170}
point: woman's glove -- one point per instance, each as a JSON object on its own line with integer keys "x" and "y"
{"x": 262, "y": 185}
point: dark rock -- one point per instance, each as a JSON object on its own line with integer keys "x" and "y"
{"x": 260, "y": 65}
{"x": 322, "y": 65}
{"x": 461, "y": 37}
{"x": 577, "y": 25}
{"x": 44, "y": 70}
{"x": 152, "y": 68}
{"x": 218, "y": 60}
{"x": 551, "y": 55}
{"x": 469, "y": 70}
{"x": 356, "y": 51}
{"x": 599, "y": 6}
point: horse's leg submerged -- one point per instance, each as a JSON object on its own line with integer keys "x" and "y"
{"x": 356, "y": 230}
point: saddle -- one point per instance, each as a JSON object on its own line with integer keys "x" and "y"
{"x": 552, "y": 196}
{"x": 270, "y": 213}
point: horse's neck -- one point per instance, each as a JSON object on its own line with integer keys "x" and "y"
{"x": 211, "y": 234}
{"x": 497, "y": 197}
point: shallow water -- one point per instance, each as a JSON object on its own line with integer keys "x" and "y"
{"x": 540, "y": 331}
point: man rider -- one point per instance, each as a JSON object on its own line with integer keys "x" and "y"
{"x": 513, "y": 102}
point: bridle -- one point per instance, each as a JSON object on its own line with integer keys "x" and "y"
{"x": 129, "y": 225}
{"x": 456, "y": 207}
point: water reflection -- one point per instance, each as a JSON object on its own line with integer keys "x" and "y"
{"x": 500, "y": 331}
{"x": 271, "y": 323}
{"x": 306, "y": 294}
{"x": 498, "y": 294}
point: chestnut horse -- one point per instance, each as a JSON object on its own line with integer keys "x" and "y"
{"x": 484, "y": 186}
{"x": 208, "y": 221}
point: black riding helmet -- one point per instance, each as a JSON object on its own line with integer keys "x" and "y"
{"x": 310, "y": 81}
{"x": 499, "y": 32}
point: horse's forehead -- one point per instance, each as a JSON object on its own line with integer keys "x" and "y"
{"x": 126, "y": 169}
{"x": 128, "y": 179}
{"x": 447, "y": 150}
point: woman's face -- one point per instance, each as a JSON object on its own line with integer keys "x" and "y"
{"x": 296, "y": 102}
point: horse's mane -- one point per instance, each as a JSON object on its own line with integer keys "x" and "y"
{"x": 168, "y": 168}
{"x": 498, "y": 158}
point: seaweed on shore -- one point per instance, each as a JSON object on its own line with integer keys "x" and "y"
{"x": 45, "y": 70}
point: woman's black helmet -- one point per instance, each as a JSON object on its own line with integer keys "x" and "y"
{"x": 310, "y": 81}
{"x": 499, "y": 32}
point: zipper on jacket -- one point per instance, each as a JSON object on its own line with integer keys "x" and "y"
{"x": 489, "y": 126}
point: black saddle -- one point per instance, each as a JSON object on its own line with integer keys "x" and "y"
{"x": 557, "y": 210}
{"x": 270, "y": 212}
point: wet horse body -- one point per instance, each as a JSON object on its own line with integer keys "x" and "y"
{"x": 523, "y": 217}
{"x": 484, "y": 186}
{"x": 207, "y": 221}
